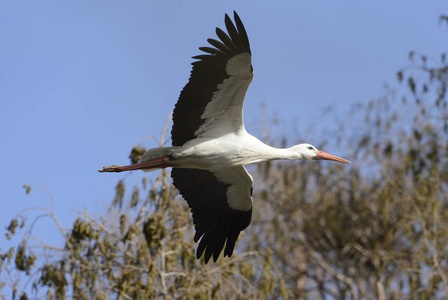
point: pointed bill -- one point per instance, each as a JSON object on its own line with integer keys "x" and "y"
{"x": 327, "y": 156}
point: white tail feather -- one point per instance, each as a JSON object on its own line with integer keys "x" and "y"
{"x": 155, "y": 153}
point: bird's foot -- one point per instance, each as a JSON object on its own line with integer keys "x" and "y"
{"x": 113, "y": 168}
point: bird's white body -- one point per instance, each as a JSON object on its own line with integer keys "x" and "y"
{"x": 230, "y": 150}
{"x": 211, "y": 146}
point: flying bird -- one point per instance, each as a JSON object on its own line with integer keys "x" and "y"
{"x": 210, "y": 145}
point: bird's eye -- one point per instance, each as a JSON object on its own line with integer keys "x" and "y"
{"x": 310, "y": 147}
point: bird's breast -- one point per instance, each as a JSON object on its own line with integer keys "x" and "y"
{"x": 223, "y": 152}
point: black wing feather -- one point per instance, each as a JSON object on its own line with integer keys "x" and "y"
{"x": 211, "y": 50}
{"x": 242, "y": 32}
{"x": 220, "y": 45}
{"x": 215, "y": 222}
{"x": 231, "y": 29}
{"x": 225, "y": 39}
{"x": 207, "y": 73}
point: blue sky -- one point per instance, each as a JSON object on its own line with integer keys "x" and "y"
{"x": 81, "y": 82}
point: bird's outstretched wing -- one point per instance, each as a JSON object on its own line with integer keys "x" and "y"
{"x": 211, "y": 103}
{"x": 221, "y": 204}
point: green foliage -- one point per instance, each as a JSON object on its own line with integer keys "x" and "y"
{"x": 136, "y": 153}
{"x": 23, "y": 261}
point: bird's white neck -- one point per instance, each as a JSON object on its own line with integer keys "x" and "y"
{"x": 282, "y": 153}
{"x": 259, "y": 152}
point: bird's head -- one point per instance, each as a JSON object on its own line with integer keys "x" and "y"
{"x": 307, "y": 151}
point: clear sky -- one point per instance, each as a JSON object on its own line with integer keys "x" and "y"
{"x": 81, "y": 82}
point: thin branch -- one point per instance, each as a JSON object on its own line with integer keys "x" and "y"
{"x": 433, "y": 251}
{"x": 338, "y": 275}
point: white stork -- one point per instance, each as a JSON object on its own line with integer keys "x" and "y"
{"x": 210, "y": 145}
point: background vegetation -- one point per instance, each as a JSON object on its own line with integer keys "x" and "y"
{"x": 376, "y": 229}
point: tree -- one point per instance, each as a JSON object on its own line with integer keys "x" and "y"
{"x": 378, "y": 229}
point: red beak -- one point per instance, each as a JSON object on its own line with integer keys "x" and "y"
{"x": 327, "y": 156}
